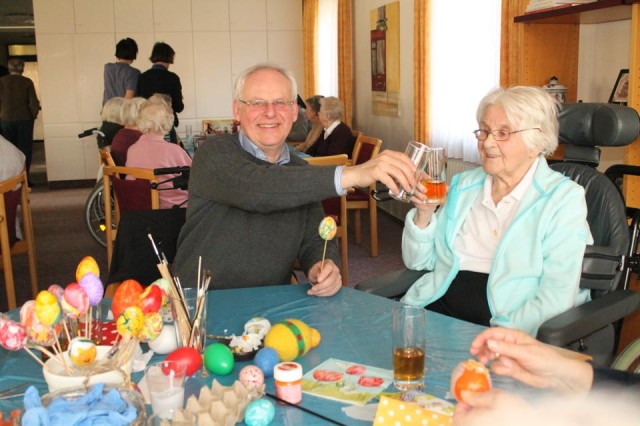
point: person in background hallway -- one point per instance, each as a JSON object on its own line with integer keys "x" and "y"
{"x": 515, "y": 354}
{"x": 158, "y": 79}
{"x": 151, "y": 151}
{"x": 300, "y": 127}
{"x": 311, "y": 111}
{"x": 120, "y": 78}
{"x": 111, "y": 120}
{"x": 129, "y": 134}
{"x": 19, "y": 107}
{"x": 337, "y": 137}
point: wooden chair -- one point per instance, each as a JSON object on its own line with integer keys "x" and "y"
{"x": 129, "y": 195}
{"x": 337, "y": 207}
{"x": 366, "y": 147}
{"x": 10, "y": 197}
{"x": 105, "y": 158}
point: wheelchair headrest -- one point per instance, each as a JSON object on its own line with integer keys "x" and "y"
{"x": 598, "y": 124}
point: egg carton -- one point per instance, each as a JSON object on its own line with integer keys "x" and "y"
{"x": 217, "y": 406}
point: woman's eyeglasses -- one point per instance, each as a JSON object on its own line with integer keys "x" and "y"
{"x": 498, "y": 135}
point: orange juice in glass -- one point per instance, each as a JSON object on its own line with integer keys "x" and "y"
{"x": 434, "y": 178}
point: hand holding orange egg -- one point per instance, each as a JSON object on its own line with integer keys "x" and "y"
{"x": 470, "y": 375}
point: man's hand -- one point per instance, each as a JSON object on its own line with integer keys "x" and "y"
{"x": 392, "y": 168}
{"x": 326, "y": 282}
{"x": 491, "y": 408}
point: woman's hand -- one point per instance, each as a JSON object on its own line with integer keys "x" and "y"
{"x": 325, "y": 279}
{"x": 424, "y": 209}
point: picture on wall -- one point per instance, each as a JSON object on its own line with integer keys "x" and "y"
{"x": 385, "y": 59}
{"x": 620, "y": 91}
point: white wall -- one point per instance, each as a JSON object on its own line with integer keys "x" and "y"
{"x": 604, "y": 51}
{"x": 214, "y": 41}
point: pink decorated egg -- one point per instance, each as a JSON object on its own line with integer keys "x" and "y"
{"x": 75, "y": 301}
{"x": 92, "y": 285}
{"x": 12, "y": 335}
{"x": 251, "y": 376}
{"x": 56, "y": 290}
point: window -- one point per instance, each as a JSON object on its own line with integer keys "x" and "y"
{"x": 327, "y": 48}
{"x": 465, "y": 65}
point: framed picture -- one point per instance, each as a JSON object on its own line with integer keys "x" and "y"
{"x": 620, "y": 89}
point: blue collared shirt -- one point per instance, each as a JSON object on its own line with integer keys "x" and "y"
{"x": 284, "y": 158}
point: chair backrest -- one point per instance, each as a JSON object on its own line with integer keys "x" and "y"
{"x": 11, "y": 194}
{"x": 365, "y": 148}
{"x": 106, "y": 158}
{"x": 329, "y": 160}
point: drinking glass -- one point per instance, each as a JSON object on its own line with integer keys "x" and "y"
{"x": 193, "y": 334}
{"x": 409, "y": 346}
{"x": 165, "y": 383}
{"x": 418, "y": 153}
{"x": 434, "y": 178}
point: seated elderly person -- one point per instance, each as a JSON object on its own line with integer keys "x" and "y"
{"x": 151, "y": 151}
{"x": 129, "y": 134}
{"x": 337, "y": 137}
{"x": 111, "y": 120}
{"x": 311, "y": 111}
{"x": 506, "y": 248}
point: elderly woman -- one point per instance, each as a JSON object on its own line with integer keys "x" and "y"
{"x": 111, "y": 120}
{"x": 311, "y": 111}
{"x": 151, "y": 151}
{"x": 129, "y": 134}
{"x": 506, "y": 248}
{"x": 337, "y": 137}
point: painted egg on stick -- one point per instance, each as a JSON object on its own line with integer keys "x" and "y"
{"x": 130, "y": 321}
{"x": 126, "y": 295}
{"x": 75, "y": 301}
{"x": 164, "y": 285}
{"x": 92, "y": 285}
{"x": 151, "y": 326}
{"x": 56, "y": 290}
{"x": 12, "y": 335}
{"x": 82, "y": 351}
{"x": 327, "y": 228}
{"x": 47, "y": 308}
{"x": 87, "y": 264}
{"x": 151, "y": 299}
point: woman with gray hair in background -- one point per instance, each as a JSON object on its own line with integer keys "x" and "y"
{"x": 111, "y": 121}
{"x": 337, "y": 137}
{"x": 506, "y": 248}
{"x": 151, "y": 151}
{"x": 129, "y": 134}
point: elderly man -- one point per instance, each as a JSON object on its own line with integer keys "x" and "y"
{"x": 253, "y": 209}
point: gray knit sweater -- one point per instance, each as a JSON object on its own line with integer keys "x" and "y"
{"x": 250, "y": 219}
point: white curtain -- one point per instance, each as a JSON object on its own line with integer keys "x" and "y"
{"x": 465, "y": 65}
{"x": 327, "y": 61}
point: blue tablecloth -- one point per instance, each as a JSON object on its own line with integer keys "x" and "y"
{"x": 355, "y": 326}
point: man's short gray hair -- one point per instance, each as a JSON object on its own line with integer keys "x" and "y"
{"x": 242, "y": 78}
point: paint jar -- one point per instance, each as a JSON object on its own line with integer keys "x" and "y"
{"x": 288, "y": 380}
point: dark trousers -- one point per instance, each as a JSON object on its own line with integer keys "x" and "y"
{"x": 20, "y": 133}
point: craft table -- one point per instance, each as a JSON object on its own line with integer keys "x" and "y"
{"x": 355, "y": 326}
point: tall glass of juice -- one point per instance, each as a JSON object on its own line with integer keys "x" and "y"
{"x": 434, "y": 178}
{"x": 409, "y": 346}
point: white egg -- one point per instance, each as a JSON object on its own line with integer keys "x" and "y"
{"x": 166, "y": 342}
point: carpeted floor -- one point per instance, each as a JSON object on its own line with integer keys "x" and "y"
{"x": 62, "y": 241}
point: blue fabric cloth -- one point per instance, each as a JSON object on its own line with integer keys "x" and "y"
{"x": 536, "y": 268}
{"x": 91, "y": 409}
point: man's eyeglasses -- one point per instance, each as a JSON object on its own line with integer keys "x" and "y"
{"x": 498, "y": 135}
{"x": 263, "y": 104}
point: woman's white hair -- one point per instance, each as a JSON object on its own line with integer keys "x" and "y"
{"x": 527, "y": 107}
{"x": 332, "y": 108}
{"x": 111, "y": 110}
{"x": 129, "y": 110}
{"x": 155, "y": 117}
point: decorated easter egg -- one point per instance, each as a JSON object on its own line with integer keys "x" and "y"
{"x": 291, "y": 338}
{"x": 87, "y": 264}
{"x": 92, "y": 285}
{"x": 251, "y": 376}
{"x": 56, "y": 290}
{"x": 47, "y": 308}
{"x": 265, "y": 360}
{"x": 37, "y": 332}
{"x": 82, "y": 352}
{"x": 151, "y": 326}
{"x": 327, "y": 228}
{"x": 75, "y": 301}
{"x": 126, "y": 295}
{"x": 150, "y": 300}
{"x": 129, "y": 322}
{"x": 166, "y": 342}
{"x": 259, "y": 413}
{"x": 218, "y": 359}
{"x": 470, "y": 375}
{"x": 189, "y": 357}
{"x": 257, "y": 325}
{"x": 163, "y": 284}
{"x": 12, "y": 335}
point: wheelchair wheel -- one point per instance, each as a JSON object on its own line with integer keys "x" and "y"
{"x": 94, "y": 215}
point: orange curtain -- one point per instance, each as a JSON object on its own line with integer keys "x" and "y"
{"x": 421, "y": 52}
{"x": 309, "y": 24}
{"x": 344, "y": 48}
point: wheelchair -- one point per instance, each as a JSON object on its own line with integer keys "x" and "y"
{"x": 594, "y": 327}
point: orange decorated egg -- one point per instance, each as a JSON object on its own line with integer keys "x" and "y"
{"x": 470, "y": 375}
{"x": 126, "y": 295}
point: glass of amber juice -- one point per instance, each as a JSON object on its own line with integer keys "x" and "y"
{"x": 409, "y": 346}
{"x": 434, "y": 178}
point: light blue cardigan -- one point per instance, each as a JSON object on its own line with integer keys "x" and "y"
{"x": 536, "y": 268}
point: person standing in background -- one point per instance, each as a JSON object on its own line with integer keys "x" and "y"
{"x": 19, "y": 107}
{"x": 158, "y": 79}
{"x": 120, "y": 78}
